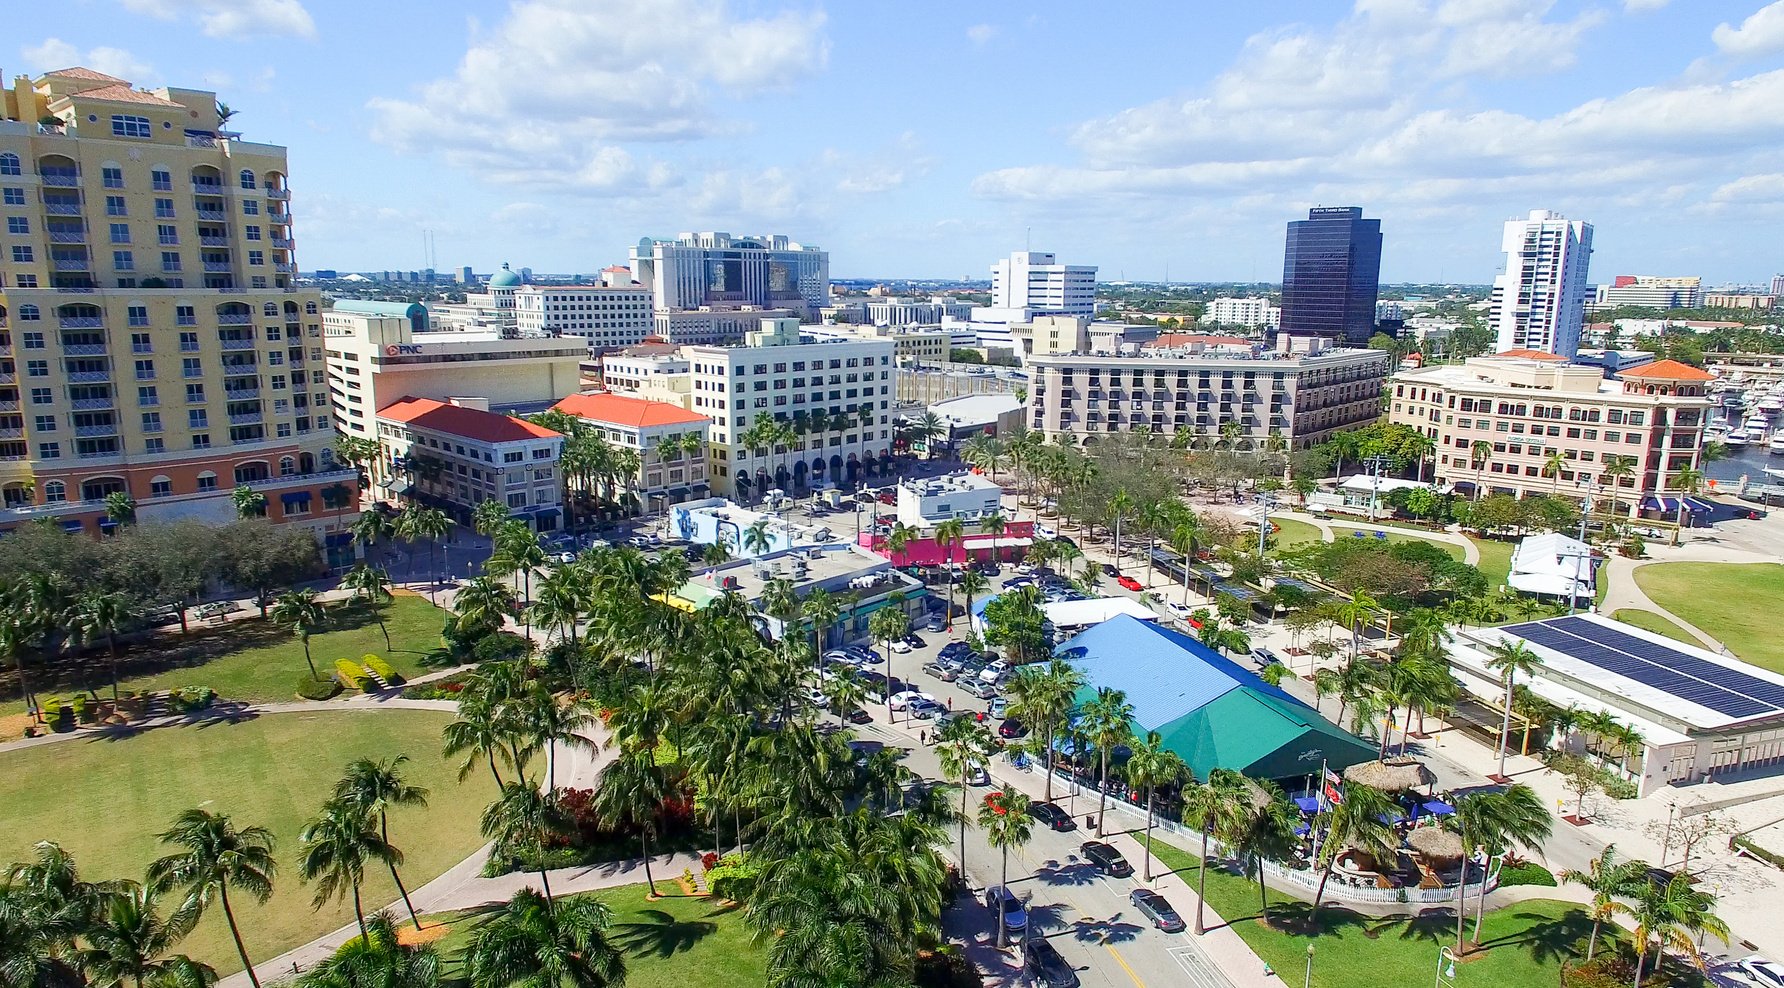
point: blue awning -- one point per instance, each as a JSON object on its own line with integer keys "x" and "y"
{"x": 73, "y": 525}
{"x": 1307, "y": 804}
{"x": 547, "y": 512}
{"x": 1438, "y": 807}
{"x": 1697, "y": 506}
{"x": 338, "y": 538}
{"x": 1652, "y": 503}
{"x": 106, "y": 524}
{"x": 295, "y": 497}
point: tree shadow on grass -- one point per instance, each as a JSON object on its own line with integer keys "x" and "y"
{"x": 660, "y": 934}
{"x": 1548, "y": 938}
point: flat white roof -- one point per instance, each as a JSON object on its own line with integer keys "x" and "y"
{"x": 981, "y": 409}
{"x": 1082, "y": 613}
{"x": 1618, "y": 688}
{"x": 1362, "y": 483}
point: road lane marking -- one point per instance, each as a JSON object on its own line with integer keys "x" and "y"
{"x": 1201, "y": 971}
{"x": 1117, "y": 955}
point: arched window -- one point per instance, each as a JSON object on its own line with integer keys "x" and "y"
{"x": 9, "y": 164}
{"x": 247, "y": 179}
{"x": 207, "y": 481}
{"x": 271, "y": 308}
{"x": 55, "y": 492}
{"x": 28, "y": 313}
{"x": 309, "y": 308}
{"x": 287, "y": 466}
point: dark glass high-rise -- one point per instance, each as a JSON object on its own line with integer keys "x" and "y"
{"x": 1331, "y": 273}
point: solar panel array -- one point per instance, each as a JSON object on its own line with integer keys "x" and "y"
{"x": 1707, "y": 684}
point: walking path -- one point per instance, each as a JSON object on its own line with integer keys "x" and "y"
{"x": 1625, "y": 592}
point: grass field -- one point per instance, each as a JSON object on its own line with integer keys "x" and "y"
{"x": 260, "y": 661}
{"x": 1649, "y": 621}
{"x": 674, "y": 942}
{"x": 1495, "y": 560}
{"x": 1525, "y": 942}
{"x": 1736, "y": 602}
{"x": 105, "y": 800}
{"x": 1294, "y": 533}
{"x": 1343, "y": 532}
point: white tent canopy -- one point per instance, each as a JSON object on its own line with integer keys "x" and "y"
{"x": 1083, "y": 613}
{"x": 1550, "y": 564}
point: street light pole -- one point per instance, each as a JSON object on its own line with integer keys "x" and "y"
{"x": 1446, "y": 968}
{"x": 1307, "y": 982}
{"x": 1573, "y": 600}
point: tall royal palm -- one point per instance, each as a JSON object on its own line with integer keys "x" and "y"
{"x": 215, "y": 857}
{"x": 1108, "y": 723}
{"x": 1610, "y": 880}
{"x": 1496, "y": 820}
{"x": 1510, "y": 659}
{"x": 1044, "y": 697}
{"x": 520, "y": 820}
{"x": 1266, "y": 832}
{"x": 372, "y": 585}
{"x": 630, "y": 794}
{"x": 1216, "y": 810}
{"x": 302, "y": 613}
{"x": 964, "y": 746}
{"x": 1152, "y": 765}
{"x": 546, "y": 723}
{"x": 1004, "y": 816}
{"x": 336, "y": 846}
{"x": 99, "y": 616}
{"x": 377, "y": 787}
{"x": 536, "y": 943}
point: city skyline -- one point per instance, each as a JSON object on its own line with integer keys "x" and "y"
{"x": 556, "y": 137}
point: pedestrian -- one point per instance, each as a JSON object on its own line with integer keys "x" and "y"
{"x": 922, "y": 737}
{"x": 950, "y": 703}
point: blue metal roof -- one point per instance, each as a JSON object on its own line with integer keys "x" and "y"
{"x": 1164, "y": 674}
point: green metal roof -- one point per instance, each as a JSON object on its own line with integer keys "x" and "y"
{"x": 1262, "y": 736}
{"x": 370, "y": 307}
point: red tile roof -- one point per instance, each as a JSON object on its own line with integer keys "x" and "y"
{"x": 457, "y": 420}
{"x": 635, "y": 413}
{"x": 1185, "y": 339}
{"x": 81, "y": 72}
{"x": 1668, "y": 370}
{"x": 122, "y": 93}
{"x": 1531, "y": 355}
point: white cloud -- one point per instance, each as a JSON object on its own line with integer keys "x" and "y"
{"x": 54, "y": 53}
{"x": 1762, "y": 33}
{"x": 1763, "y": 189}
{"x": 1638, "y": 6}
{"x": 556, "y": 88}
{"x": 979, "y": 34}
{"x": 234, "y": 18}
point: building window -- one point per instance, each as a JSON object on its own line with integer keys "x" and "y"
{"x": 9, "y": 164}
{"x": 256, "y": 257}
{"x": 145, "y": 370}
{"x": 112, "y": 178}
{"x": 151, "y": 421}
{"x": 37, "y": 368}
{"x": 44, "y": 423}
{"x": 120, "y": 233}
{"x": 13, "y": 196}
{"x": 21, "y": 254}
{"x": 170, "y": 260}
{"x": 18, "y": 225}
{"x": 160, "y": 487}
{"x": 207, "y": 481}
{"x": 147, "y": 396}
{"x": 201, "y": 440}
{"x": 194, "y": 394}
{"x": 168, "y": 233}
{"x": 252, "y": 232}
{"x": 123, "y": 260}
{"x": 49, "y": 451}
{"x": 42, "y": 396}
{"x": 114, "y": 206}
{"x": 126, "y": 125}
{"x": 33, "y": 340}
{"x": 250, "y": 207}
{"x": 185, "y": 315}
{"x": 162, "y": 179}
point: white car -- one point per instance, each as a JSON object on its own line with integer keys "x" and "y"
{"x": 1179, "y": 611}
{"x": 900, "y": 646}
{"x": 816, "y": 697}
{"x": 1046, "y": 533}
{"x": 1768, "y": 974}
{"x": 902, "y": 700}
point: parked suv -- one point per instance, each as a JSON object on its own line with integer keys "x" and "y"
{"x": 1001, "y": 899}
{"x": 1106, "y": 859}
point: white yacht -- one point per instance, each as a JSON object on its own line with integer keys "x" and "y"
{"x": 1770, "y": 403}
{"x": 1777, "y": 444}
{"x": 1737, "y": 438}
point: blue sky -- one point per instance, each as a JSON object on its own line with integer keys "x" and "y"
{"x": 928, "y": 138}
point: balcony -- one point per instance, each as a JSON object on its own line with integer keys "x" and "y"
{"x": 193, "y": 372}
{"x": 214, "y": 215}
{"x": 235, "y": 319}
{"x": 218, "y": 267}
{"x": 240, "y": 394}
{"x": 9, "y": 406}
{"x": 207, "y": 188}
{"x": 8, "y": 378}
{"x": 81, "y": 322}
{"x": 200, "y": 141}
{"x": 12, "y": 433}
{"x": 90, "y": 431}
{"x": 231, "y": 344}
{"x": 88, "y": 377}
{"x": 280, "y": 194}
{"x": 247, "y": 418}
{"x": 68, "y": 236}
{"x": 99, "y": 454}
{"x": 214, "y": 241}
{"x": 282, "y": 243}
{"x": 61, "y": 180}
{"x": 284, "y": 268}
{"x": 62, "y": 208}
{"x": 72, "y": 264}
{"x": 84, "y": 349}
{"x": 92, "y": 404}
{"x": 280, "y": 219}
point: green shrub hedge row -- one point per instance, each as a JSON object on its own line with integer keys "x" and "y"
{"x": 350, "y": 673}
{"x": 383, "y": 669}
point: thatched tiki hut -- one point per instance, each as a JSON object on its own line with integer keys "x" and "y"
{"x": 1391, "y": 775}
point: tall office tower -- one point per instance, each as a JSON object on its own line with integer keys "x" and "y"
{"x": 1036, "y": 281}
{"x": 1331, "y": 272}
{"x": 1539, "y": 302}
{"x": 1777, "y": 285}
{"x": 717, "y": 270}
{"x": 152, "y": 338}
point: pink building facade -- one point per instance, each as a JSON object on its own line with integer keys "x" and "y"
{"x": 1011, "y": 545}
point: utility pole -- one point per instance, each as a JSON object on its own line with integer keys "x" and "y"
{"x": 1265, "y": 504}
{"x": 1375, "y": 464}
{"x": 1573, "y": 600}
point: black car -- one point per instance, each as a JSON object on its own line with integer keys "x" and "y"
{"x": 1041, "y": 961}
{"x": 1011, "y": 729}
{"x": 1055, "y": 818}
{"x": 1110, "y": 570}
{"x": 1106, "y": 859}
{"x": 859, "y": 716}
{"x": 1156, "y": 909}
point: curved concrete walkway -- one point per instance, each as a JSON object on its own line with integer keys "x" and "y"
{"x": 1625, "y": 592}
{"x": 1329, "y": 530}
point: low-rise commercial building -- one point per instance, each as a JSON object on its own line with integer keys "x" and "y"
{"x": 1650, "y": 292}
{"x": 709, "y": 325}
{"x": 457, "y": 455}
{"x": 1252, "y": 313}
{"x": 990, "y": 414}
{"x": 864, "y": 582}
{"x": 1301, "y": 395}
{"x": 1495, "y": 421}
{"x": 670, "y": 442}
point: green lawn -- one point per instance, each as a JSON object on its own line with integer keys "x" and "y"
{"x": 1649, "y": 621}
{"x": 1736, "y": 602}
{"x": 1343, "y": 532}
{"x": 105, "y": 800}
{"x": 1294, "y": 533}
{"x": 1495, "y": 560}
{"x": 1525, "y": 942}
{"x": 260, "y": 661}
{"x": 674, "y": 942}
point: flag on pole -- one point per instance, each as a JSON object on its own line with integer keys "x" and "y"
{"x": 1333, "y": 787}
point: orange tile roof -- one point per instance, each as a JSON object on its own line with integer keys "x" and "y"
{"x": 122, "y": 93}
{"x": 458, "y": 420}
{"x": 1669, "y": 370}
{"x": 1531, "y": 355}
{"x": 636, "y": 413}
{"x": 82, "y": 72}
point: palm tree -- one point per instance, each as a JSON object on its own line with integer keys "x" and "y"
{"x": 886, "y": 625}
{"x": 714, "y": 554}
{"x": 1265, "y": 832}
{"x": 1121, "y": 506}
{"x": 524, "y": 815}
{"x": 544, "y": 723}
{"x": 120, "y": 508}
{"x": 1609, "y": 880}
{"x": 631, "y": 793}
{"x": 963, "y": 745}
{"x": 972, "y": 584}
{"x": 480, "y": 733}
{"x": 821, "y": 611}
{"x": 371, "y": 526}
{"x": 518, "y": 552}
{"x": 1108, "y": 722}
{"x": 1673, "y": 915}
{"x": 249, "y": 503}
{"x": 1149, "y": 766}
{"x": 336, "y": 847}
{"x": 301, "y": 612}
{"x": 1496, "y": 821}
{"x": 371, "y": 584}
{"x": 379, "y": 958}
{"x": 376, "y": 787}
{"x": 929, "y": 428}
{"x": 1615, "y": 469}
{"x": 103, "y": 615}
{"x": 846, "y": 692}
{"x": 1359, "y": 610}
{"x": 1478, "y": 455}
{"x": 127, "y": 941}
{"x": 488, "y": 518}
{"x": 216, "y": 857}
{"x": 1007, "y": 824}
{"x": 1216, "y": 810}
{"x": 1357, "y": 821}
{"x": 1509, "y": 659}
{"x": 483, "y": 602}
{"x": 1687, "y": 482}
{"x": 536, "y": 943}
{"x": 1552, "y": 465}
{"x": 1044, "y": 697}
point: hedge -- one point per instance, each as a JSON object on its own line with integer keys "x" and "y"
{"x": 350, "y": 673}
{"x": 317, "y": 689}
{"x": 383, "y": 669}
{"x": 189, "y": 698}
{"x": 1528, "y": 873}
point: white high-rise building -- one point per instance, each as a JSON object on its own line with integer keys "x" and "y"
{"x": 1036, "y": 281}
{"x": 1248, "y": 312}
{"x": 1539, "y": 302}
{"x": 717, "y": 270}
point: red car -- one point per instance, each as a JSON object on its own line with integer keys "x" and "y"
{"x": 1129, "y": 583}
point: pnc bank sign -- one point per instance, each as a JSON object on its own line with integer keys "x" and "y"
{"x": 402, "y": 349}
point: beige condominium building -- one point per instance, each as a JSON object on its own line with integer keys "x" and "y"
{"x": 153, "y": 339}
{"x": 1496, "y": 419}
{"x": 1302, "y": 395}
{"x": 456, "y": 455}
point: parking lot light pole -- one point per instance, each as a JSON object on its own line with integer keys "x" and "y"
{"x": 1307, "y": 982}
